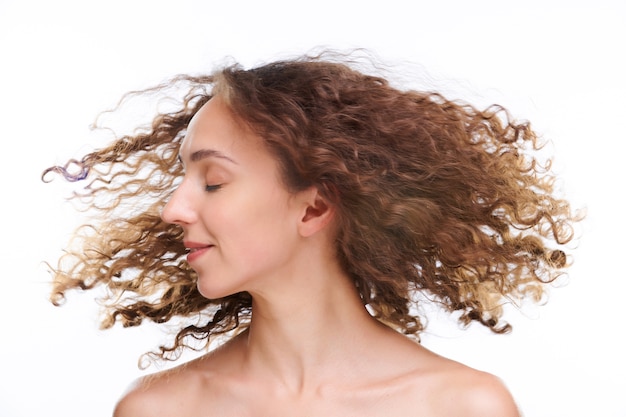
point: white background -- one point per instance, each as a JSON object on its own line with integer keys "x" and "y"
{"x": 559, "y": 64}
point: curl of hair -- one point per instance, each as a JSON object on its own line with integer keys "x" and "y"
{"x": 432, "y": 195}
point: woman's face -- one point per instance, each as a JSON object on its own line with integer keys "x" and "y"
{"x": 239, "y": 220}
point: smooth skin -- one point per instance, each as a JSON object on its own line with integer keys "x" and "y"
{"x": 312, "y": 349}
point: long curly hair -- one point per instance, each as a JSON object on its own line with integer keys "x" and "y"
{"x": 434, "y": 197}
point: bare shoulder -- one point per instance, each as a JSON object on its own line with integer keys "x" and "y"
{"x": 480, "y": 394}
{"x": 137, "y": 401}
{"x": 171, "y": 393}
{"x": 458, "y": 390}
{"x": 201, "y": 387}
{"x": 148, "y": 396}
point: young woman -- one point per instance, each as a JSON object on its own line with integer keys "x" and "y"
{"x": 300, "y": 210}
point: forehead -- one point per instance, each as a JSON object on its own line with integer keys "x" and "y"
{"x": 214, "y": 128}
{"x": 215, "y": 135}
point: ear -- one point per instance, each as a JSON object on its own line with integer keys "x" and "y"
{"x": 317, "y": 212}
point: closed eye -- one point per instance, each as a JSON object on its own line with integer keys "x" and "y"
{"x": 211, "y": 188}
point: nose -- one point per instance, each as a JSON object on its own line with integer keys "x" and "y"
{"x": 179, "y": 209}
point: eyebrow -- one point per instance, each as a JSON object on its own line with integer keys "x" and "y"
{"x": 207, "y": 153}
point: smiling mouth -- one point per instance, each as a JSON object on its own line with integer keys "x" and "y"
{"x": 195, "y": 251}
{"x": 192, "y": 246}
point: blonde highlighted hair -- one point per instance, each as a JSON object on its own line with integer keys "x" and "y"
{"x": 433, "y": 196}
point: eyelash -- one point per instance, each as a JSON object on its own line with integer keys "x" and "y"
{"x": 211, "y": 188}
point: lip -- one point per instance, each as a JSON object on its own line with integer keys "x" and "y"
{"x": 196, "y": 250}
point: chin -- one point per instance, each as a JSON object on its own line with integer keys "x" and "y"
{"x": 212, "y": 291}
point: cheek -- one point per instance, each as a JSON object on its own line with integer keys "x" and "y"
{"x": 257, "y": 223}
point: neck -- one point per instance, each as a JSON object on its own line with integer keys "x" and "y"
{"x": 300, "y": 333}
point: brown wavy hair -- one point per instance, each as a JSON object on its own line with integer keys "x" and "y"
{"x": 434, "y": 197}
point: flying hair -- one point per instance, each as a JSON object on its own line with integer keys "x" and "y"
{"x": 433, "y": 196}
